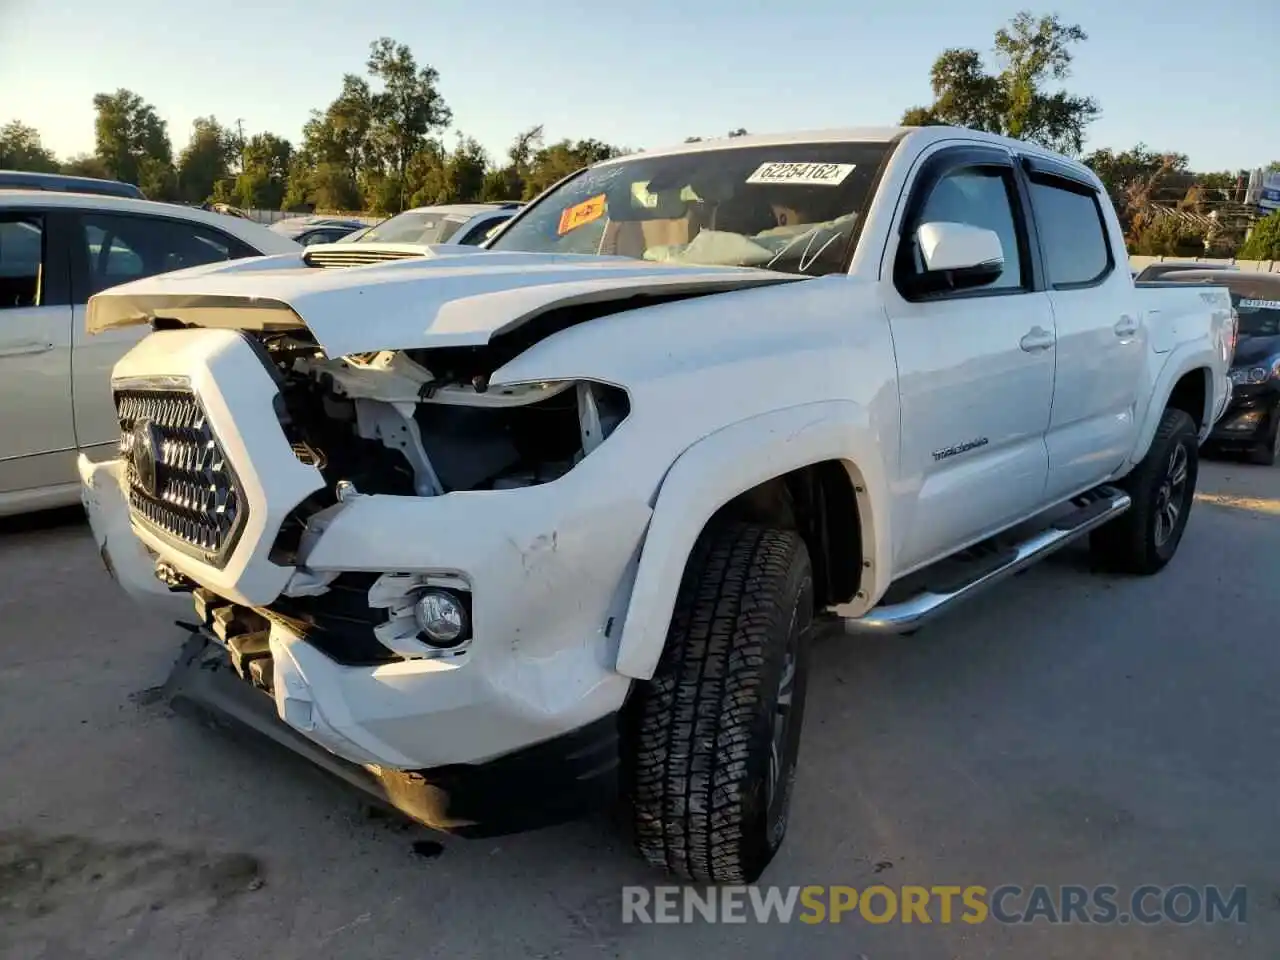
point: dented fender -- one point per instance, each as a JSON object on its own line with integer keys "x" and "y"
{"x": 728, "y": 462}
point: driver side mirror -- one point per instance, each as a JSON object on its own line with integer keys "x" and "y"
{"x": 956, "y": 256}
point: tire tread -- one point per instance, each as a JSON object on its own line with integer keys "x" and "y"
{"x": 695, "y": 721}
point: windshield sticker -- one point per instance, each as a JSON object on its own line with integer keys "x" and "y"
{"x": 581, "y": 214}
{"x": 809, "y": 174}
{"x": 1259, "y": 304}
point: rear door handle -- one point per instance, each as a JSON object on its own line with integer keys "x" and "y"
{"x": 1127, "y": 327}
{"x": 25, "y": 349}
{"x": 1036, "y": 340}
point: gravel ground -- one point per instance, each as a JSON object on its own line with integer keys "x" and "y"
{"x": 1065, "y": 729}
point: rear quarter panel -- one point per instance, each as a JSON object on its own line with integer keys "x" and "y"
{"x": 1189, "y": 329}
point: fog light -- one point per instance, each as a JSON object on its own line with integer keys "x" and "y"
{"x": 442, "y": 617}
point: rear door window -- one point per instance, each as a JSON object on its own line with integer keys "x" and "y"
{"x": 119, "y": 248}
{"x": 1073, "y": 233}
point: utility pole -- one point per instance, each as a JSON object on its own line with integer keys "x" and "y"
{"x": 240, "y": 141}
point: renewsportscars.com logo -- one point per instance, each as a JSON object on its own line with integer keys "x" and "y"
{"x": 1008, "y": 904}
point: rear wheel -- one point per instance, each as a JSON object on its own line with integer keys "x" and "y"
{"x": 1146, "y": 536}
{"x": 712, "y": 739}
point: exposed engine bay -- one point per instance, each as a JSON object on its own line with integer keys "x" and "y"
{"x": 387, "y": 423}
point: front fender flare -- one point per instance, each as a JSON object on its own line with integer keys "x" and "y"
{"x": 713, "y": 471}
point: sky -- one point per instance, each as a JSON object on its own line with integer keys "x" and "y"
{"x": 1202, "y": 79}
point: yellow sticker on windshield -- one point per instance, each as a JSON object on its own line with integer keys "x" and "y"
{"x": 581, "y": 214}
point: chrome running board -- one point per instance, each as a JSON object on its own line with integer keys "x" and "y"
{"x": 941, "y": 586}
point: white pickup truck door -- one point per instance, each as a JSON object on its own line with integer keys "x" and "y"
{"x": 976, "y": 368}
{"x": 1102, "y": 340}
{"x": 35, "y": 352}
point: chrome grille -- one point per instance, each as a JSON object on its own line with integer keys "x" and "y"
{"x": 353, "y": 258}
{"x": 180, "y": 484}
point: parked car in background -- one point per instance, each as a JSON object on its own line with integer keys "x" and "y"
{"x": 310, "y": 230}
{"x": 56, "y": 250}
{"x": 226, "y": 209}
{"x": 1251, "y": 424}
{"x": 420, "y": 232}
{"x": 494, "y": 532}
{"x": 464, "y": 223}
{"x": 26, "y": 180}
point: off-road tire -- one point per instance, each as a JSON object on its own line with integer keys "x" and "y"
{"x": 1266, "y": 453}
{"x": 1130, "y": 543}
{"x": 699, "y": 736}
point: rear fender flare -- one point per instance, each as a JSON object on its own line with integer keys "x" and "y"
{"x": 716, "y": 469}
{"x": 1181, "y": 361}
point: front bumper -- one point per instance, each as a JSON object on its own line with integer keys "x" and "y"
{"x": 548, "y": 569}
{"x": 537, "y": 786}
{"x": 546, "y": 620}
{"x": 1248, "y": 420}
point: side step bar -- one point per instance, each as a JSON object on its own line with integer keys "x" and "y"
{"x": 985, "y": 564}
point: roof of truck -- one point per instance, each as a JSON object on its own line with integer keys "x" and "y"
{"x": 845, "y": 135}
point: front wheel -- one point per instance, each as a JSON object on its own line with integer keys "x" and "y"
{"x": 1162, "y": 486}
{"x": 712, "y": 740}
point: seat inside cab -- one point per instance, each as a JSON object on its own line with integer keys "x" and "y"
{"x": 640, "y": 220}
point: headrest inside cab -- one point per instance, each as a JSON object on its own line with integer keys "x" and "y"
{"x": 627, "y": 204}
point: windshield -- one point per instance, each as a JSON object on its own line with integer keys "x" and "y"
{"x": 793, "y": 207}
{"x": 1259, "y": 316}
{"x": 412, "y": 226}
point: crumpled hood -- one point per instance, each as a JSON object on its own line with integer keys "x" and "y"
{"x": 451, "y": 297}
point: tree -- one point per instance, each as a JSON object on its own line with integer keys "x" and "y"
{"x": 127, "y": 132}
{"x": 1133, "y": 179}
{"x": 340, "y": 135}
{"x": 1167, "y": 237}
{"x": 205, "y": 160}
{"x": 1264, "y": 240}
{"x": 262, "y": 183}
{"x": 1031, "y": 53}
{"x": 407, "y": 109}
{"x": 21, "y": 149}
{"x": 553, "y": 163}
{"x": 86, "y": 165}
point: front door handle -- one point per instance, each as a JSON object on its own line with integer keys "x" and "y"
{"x": 1127, "y": 326}
{"x": 1036, "y": 340}
{"x": 25, "y": 349}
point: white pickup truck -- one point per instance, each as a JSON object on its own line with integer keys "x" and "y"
{"x": 501, "y": 533}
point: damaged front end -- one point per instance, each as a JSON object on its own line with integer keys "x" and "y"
{"x": 421, "y": 568}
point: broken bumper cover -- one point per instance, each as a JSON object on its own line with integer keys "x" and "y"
{"x": 549, "y": 576}
{"x": 102, "y": 491}
{"x": 547, "y": 783}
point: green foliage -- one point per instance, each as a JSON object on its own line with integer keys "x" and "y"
{"x": 1031, "y": 53}
{"x": 133, "y": 143}
{"x": 86, "y": 165}
{"x": 1169, "y": 238}
{"x": 21, "y": 149}
{"x": 1133, "y": 179}
{"x": 205, "y": 160}
{"x": 263, "y": 180}
{"x": 407, "y": 109}
{"x": 1264, "y": 240}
